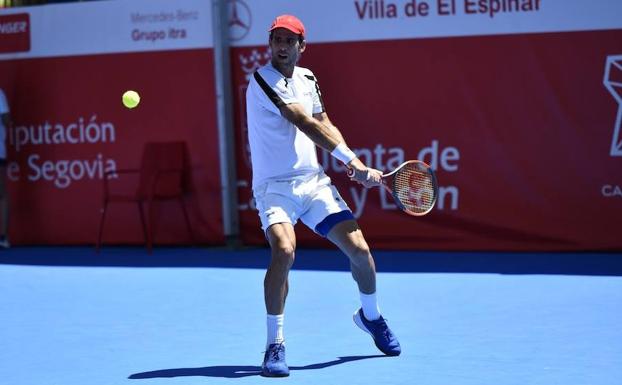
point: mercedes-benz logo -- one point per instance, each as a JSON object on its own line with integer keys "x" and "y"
{"x": 239, "y": 19}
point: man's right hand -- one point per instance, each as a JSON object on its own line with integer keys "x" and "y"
{"x": 368, "y": 177}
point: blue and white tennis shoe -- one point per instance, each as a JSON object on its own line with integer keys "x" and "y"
{"x": 274, "y": 362}
{"x": 378, "y": 329}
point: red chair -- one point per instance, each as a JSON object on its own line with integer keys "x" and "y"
{"x": 162, "y": 176}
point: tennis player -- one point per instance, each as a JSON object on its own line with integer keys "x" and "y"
{"x": 286, "y": 120}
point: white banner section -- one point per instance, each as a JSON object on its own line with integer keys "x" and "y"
{"x": 359, "y": 20}
{"x": 102, "y": 27}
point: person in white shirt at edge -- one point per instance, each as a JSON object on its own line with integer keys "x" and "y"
{"x": 286, "y": 120}
{"x": 5, "y": 122}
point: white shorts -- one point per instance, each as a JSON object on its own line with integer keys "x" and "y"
{"x": 315, "y": 201}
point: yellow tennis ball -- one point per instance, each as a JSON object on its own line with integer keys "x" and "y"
{"x": 130, "y": 99}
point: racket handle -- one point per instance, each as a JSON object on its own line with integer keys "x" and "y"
{"x": 350, "y": 172}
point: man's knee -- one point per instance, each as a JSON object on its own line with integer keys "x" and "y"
{"x": 283, "y": 252}
{"x": 360, "y": 253}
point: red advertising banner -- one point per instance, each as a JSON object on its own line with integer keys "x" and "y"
{"x": 522, "y": 130}
{"x": 70, "y": 126}
{"x": 518, "y": 107}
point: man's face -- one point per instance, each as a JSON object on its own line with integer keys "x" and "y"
{"x": 285, "y": 46}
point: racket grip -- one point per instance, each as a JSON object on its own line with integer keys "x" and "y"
{"x": 350, "y": 172}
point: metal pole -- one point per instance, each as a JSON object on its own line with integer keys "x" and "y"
{"x": 226, "y": 138}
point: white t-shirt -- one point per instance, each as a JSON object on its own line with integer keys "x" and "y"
{"x": 4, "y": 108}
{"x": 279, "y": 150}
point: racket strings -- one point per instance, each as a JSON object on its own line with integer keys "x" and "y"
{"x": 414, "y": 187}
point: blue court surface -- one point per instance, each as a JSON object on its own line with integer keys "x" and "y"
{"x": 183, "y": 316}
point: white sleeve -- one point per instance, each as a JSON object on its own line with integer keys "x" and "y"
{"x": 273, "y": 92}
{"x": 318, "y": 103}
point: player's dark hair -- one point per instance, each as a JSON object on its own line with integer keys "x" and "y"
{"x": 300, "y": 37}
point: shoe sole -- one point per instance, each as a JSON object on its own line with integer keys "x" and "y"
{"x": 359, "y": 322}
{"x": 268, "y": 374}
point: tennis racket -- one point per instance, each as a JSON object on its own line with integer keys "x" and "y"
{"x": 413, "y": 186}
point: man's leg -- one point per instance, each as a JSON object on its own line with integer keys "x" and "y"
{"x": 349, "y": 238}
{"x": 283, "y": 245}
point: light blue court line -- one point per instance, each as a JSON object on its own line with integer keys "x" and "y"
{"x": 85, "y": 325}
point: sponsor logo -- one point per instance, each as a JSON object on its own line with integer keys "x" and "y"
{"x": 613, "y": 83}
{"x": 611, "y": 191}
{"x": 250, "y": 63}
{"x": 15, "y": 33}
{"x": 239, "y": 19}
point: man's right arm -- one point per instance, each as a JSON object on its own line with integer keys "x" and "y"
{"x": 327, "y": 139}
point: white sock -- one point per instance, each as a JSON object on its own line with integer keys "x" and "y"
{"x": 275, "y": 329}
{"x": 370, "y": 306}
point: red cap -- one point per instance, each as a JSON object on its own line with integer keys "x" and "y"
{"x": 289, "y": 22}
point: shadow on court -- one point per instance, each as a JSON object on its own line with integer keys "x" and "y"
{"x": 238, "y": 371}
{"x": 562, "y": 263}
